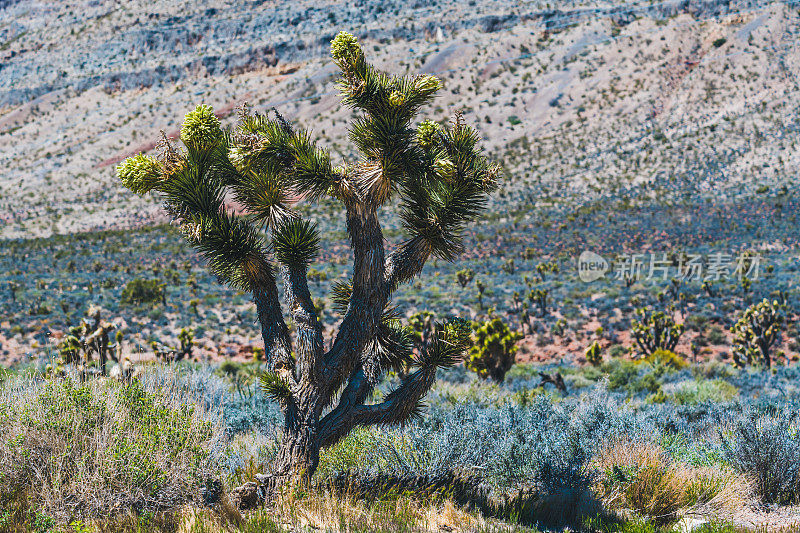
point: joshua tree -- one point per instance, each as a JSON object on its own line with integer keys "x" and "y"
{"x": 422, "y": 325}
{"x": 594, "y": 354}
{"x": 87, "y": 339}
{"x": 542, "y": 269}
{"x": 436, "y": 172}
{"x": 481, "y": 289}
{"x": 13, "y": 287}
{"x": 656, "y": 330}
{"x": 708, "y": 287}
{"x": 464, "y": 277}
{"x": 758, "y": 329}
{"x": 167, "y": 354}
{"x": 525, "y": 318}
{"x": 492, "y": 355}
{"x": 538, "y": 297}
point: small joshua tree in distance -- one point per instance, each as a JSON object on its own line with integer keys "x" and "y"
{"x": 167, "y": 354}
{"x": 465, "y": 277}
{"x": 442, "y": 182}
{"x": 481, "y": 288}
{"x": 492, "y": 354}
{"x": 594, "y": 354}
{"x": 756, "y": 332}
{"x": 656, "y": 331}
{"x": 538, "y": 297}
{"x": 87, "y": 339}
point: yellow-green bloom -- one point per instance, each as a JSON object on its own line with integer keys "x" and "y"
{"x": 396, "y": 98}
{"x": 426, "y": 133}
{"x": 345, "y": 49}
{"x": 427, "y": 83}
{"x": 444, "y": 168}
{"x": 139, "y": 173}
{"x": 201, "y": 127}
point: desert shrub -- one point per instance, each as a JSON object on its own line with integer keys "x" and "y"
{"x": 710, "y": 390}
{"x": 617, "y": 350}
{"x": 631, "y": 377}
{"x": 686, "y": 450}
{"x": 244, "y": 409}
{"x": 766, "y": 446}
{"x": 143, "y": 291}
{"x": 712, "y": 369}
{"x": 644, "y": 479}
{"x": 95, "y": 449}
{"x": 621, "y": 374}
{"x": 346, "y": 455}
{"x": 715, "y": 336}
{"x": 512, "y": 446}
{"x": 665, "y": 358}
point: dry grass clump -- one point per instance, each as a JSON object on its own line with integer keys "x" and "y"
{"x": 73, "y": 452}
{"x": 317, "y": 510}
{"x": 328, "y": 509}
{"x": 641, "y": 479}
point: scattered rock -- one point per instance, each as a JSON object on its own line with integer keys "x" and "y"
{"x": 248, "y": 496}
{"x": 687, "y": 524}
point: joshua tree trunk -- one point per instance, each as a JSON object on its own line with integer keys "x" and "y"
{"x": 298, "y": 455}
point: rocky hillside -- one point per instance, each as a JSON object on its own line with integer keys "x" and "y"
{"x": 674, "y": 100}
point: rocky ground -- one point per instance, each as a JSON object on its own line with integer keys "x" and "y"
{"x": 588, "y": 101}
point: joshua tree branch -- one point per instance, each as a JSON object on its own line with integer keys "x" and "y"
{"x": 398, "y": 406}
{"x": 308, "y": 345}
{"x": 406, "y": 262}
{"x": 367, "y": 300}
{"x": 337, "y": 423}
{"x": 277, "y": 343}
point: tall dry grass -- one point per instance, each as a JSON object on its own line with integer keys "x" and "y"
{"x": 74, "y": 451}
{"x": 640, "y": 479}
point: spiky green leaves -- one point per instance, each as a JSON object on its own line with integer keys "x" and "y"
{"x": 427, "y": 84}
{"x": 340, "y": 295}
{"x": 312, "y": 174}
{"x": 274, "y": 161}
{"x": 444, "y": 168}
{"x": 296, "y": 242}
{"x": 262, "y": 146}
{"x": 451, "y": 191}
{"x": 192, "y": 183}
{"x": 274, "y": 387}
{"x": 139, "y": 173}
{"x": 234, "y": 250}
{"x": 201, "y": 128}
{"x": 392, "y": 347}
{"x": 448, "y": 345}
{"x": 383, "y": 134}
{"x": 265, "y": 198}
